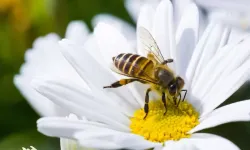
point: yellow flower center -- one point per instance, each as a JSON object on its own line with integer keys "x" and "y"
{"x": 158, "y": 127}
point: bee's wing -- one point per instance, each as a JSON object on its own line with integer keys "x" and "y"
{"x": 147, "y": 79}
{"x": 149, "y": 45}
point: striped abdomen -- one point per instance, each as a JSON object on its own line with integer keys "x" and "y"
{"x": 133, "y": 64}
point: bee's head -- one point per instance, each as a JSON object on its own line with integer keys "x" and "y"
{"x": 175, "y": 86}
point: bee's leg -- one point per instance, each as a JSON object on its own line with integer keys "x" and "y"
{"x": 146, "y": 103}
{"x": 163, "y": 98}
{"x": 184, "y": 95}
{"x": 167, "y": 61}
{"x": 174, "y": 99}
{"x": 121, "y": 83}
{"x": 179, "y": 100}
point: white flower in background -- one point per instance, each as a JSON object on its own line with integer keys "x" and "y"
{"x": 115, "y": 117}
{"x": 31, "y": 148}
{"x": 134, "y": 6}
{"x": 232, "y": 12}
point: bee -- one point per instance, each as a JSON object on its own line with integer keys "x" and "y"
{"x": 152, "y": 70}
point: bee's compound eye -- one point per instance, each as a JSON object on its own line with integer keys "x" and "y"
{"x": 172, "y": 89}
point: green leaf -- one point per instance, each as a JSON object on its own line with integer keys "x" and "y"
{"x": 16, "y": 118}
{"x": 8, "y": 92}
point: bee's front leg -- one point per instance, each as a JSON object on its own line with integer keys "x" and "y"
{"x": 164, "y": 102}
{"x": 179, "y": 100}
{"x": 146, "y": 103}
{"x": 175, "y": 100}
{"x": 184, "y": 95}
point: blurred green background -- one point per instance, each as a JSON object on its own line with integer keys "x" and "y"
{"x": 21, "y": 21}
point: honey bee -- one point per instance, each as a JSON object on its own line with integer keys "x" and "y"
{"x": 152, "y": 70}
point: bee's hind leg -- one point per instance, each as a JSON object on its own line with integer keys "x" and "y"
{"x": 146, "y": 103}
{"x": 121, "y": 83}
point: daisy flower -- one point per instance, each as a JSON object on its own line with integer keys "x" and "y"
{"x": 115, "y": 116}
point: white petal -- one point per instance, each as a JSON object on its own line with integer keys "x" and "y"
{"x": 183, "y": 144}
{"x": 204, "y": 141}
{"x": 81, "y": 102}
{"x": 121, "y": 139}
{"x": 77, "y": 31}
{"x": 94, "y": 74}
{"x": 201, "y": 141}
{"x": 187, "y": 37}
{"x": 197, "y": 54}
{"x": 209, "y": 50}
{"x": 44, "y": 59}
{"x": 236, "y": 75}
{"x": 163, "y": 30}
{"x": 134, "y": 6}
{"x": 99, "y": 144}
{"x": 179, "y": 7}
{"x": 230, "y": 84}
{"x": 145, "y": 20}
{"x": 237, "y": 35}
{"x": 225, "y": 37}
{"x": 92, "y": 48}
{"x": 67, "y": 144}
{"x": 195, "y": 96}
{"x": 231, "y": 5}
{"x": 111, "y": 42}
{"x": 64, "y": 127}
{"x": 203, "y": 22}
{"x": 239, "y": 111}
{"x": 41, "y": 104}
{"x": 220, "y": 66}
{"x": 125, "y": 28}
